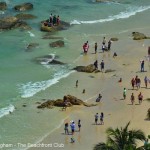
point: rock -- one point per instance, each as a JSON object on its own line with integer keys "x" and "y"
{"x": 48, "y": 59}
{"x": 23, "y": 7}
{"x": 109, "y": 70}
{"x": 9, "y": 23}
{"x": 3, "y": 6}
{"x": 71, "y": 100}
{"x": 114, "y": 39}
{"x": 25, "y": 16}
{"x": 58, "y": 43}
{"x": 139, "y": 36}
{"x": 62, "y": 26}
{"x": 24, "y": 105}
{"x": 32, "y": 45}
{"x": 89, "y": 69}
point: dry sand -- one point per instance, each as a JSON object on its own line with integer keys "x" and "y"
{"x": 117, "y": 112}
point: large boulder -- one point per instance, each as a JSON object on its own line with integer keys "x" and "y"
{"x": 71, "y": 100}
{"x": 3, "y": 6}
{"x": 58, "y": 43}
{"x": 89, "y": 69}
{"x": 48, "y": 59}
{"x": 25, "y": 16}
{"x": 23, "y": 7}
{"x": 12, "y": 22}
{"x": 62, "y": 26}
{"x": 139, "y": 36}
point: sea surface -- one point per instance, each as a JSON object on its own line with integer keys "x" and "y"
{"x": 24, "y": 82}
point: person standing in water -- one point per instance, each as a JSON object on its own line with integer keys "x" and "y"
{"x": 109, "y": 44}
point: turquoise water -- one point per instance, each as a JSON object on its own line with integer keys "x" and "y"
{"x": 24, "y": 81}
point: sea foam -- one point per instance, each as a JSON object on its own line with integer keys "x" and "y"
{"x": 29, "y": 89}
{"x": 122, "y": 15}
{"x": 6, "y": 110}
{"x": 31, "y": 34}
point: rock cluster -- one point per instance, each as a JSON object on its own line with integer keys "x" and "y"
{"x": 71, "y": 100}
{"x": 23, "y": 7}
{"x": 139, "y": 36}
{"x": 58, "y": 43}
{"x": 25, "y": 16}
{"x": 89, "y": 69}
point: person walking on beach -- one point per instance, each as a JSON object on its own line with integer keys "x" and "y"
{"x": 102, "y": 118}
{"x": 132, "y": 98}
{"x": 95, "y": 48}
{"x": 124, "y": 93}
{"x": 76, "y": 83}
{"x": 109, "y": 44}
{"x": 96, "y": 118}
{"x": 66, "y": 128}
{"x": 138, "y": 83}
{"x": 72, "y": 125}
{"x": 146, "y": 81}
{"x": 96, "y": 64}
{"x": 102, "y": 65}
{"x": 99, "y": 98}
{"x": 142, "y": 66}
{"x": 140, "y": 98}
{"x": 133, "y": 83}
{"x": 79, "y": 124}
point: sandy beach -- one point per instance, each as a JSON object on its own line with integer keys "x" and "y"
{"x": 117, "y": 112}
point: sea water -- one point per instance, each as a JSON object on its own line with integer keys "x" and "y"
{"x": 23, "y": 81}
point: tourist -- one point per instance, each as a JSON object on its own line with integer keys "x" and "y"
{"x": 83, "y": 91}
{"x": 95, "y": 48}
{"x": 138, "y": 83}
{"x": 96, "y": 118}
{"x": 104, "y": 41}
{"x": 102, "y": 65}
{"x": 103, "y": 48}
{"x": 66, "y": 128}
{"x": 54, "y": 20}
{"x": 102, "y": 118}
{"x": 76, "y": 83}
{"x": 120, "y": 80}
{"x": 58, "y": 20}
{"x": 114, "y": 55}
{"x": 96, "y": 64}
{"x": 124, "y": 93}
{"x": 146, "y": 81}
{"x": 133, "y": 83}
{"x": 109, "y": 44}
{"x": 99, "y": 98}
{"x": 79, "y": 124}
{"x": 51, "y": 19}
{"x": 72, "y": 125}
{"x": 132, "y": 98}
{"x": 65, "y": 103}
{"x": 142, "y": 66}
{"x": 85, "y": 48}
{"x": 140, "y": 98}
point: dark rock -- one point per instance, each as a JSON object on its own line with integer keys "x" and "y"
{"x": 139, "y": 36}
{"x": 62, "y": 26}
{"x": 9, "y": 23}
{"x": 23, "y": 7}
{"x": 89, "y": 69}
{"x": 32, "y": 45}
{"x": 24, "y": 105}
{"x": 109, "y": 70}
{"x": 58, "y": 43}
{"x": 25, "y": 16}
{"x": 71, "y": 100}
{"x": 3, "y": 6}
{"x": 56, "y": 62}
{"x": 114, "y": 39}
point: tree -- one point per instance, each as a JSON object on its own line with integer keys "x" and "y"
{"x": 121, "y": 139}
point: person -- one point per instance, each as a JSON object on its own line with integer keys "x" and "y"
{"x": 104, "y": 41}
{"x": 87, "y": 43}
{"x": 132, "y": 98}
{"x": 114, "y": 55}
{"x": 79, "y": 124}
{"x": 66, "y": 128}
{"x": 65, "y": 102}
{"x": 124, "y": 93}
{"x": 99, "y": 98}
{"x": 58, "y": 20}
{"x": 102, "y": 65}
{"x": 76, "y": 83}
{"x": 51, "y": 19}
{"x": 140, "y": 98}
{"x": 120, "y": 80}
{"x": 146, "y": 81}
{"x": 109, "y": 44}
{"x": 142, "y": 66}
{"x": 72, "y": 125}
{"x": 138, "y": 82}
{"x": 45, "y": 23}
{"x": 96, "y": 64}
{"x": 149, "y": 51}
{"x": 96, "y": 118}
{"x": 95, "y": 48}
{"x": 54, "y": 20}
{"x": 103, "y": 48}
{"x": 102, "y": 118}
{"x": 85, "y": 48}
{"x": 49, "y": 24}
{"x": 83, "y": 91}
{"x": 133, "y": 83}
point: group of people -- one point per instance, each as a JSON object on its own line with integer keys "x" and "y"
{"x": 140, "y": 98}
{"x": 101, "y": 118}
{"x": 102, "y": 64}
{"x": 52, "y": 21}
